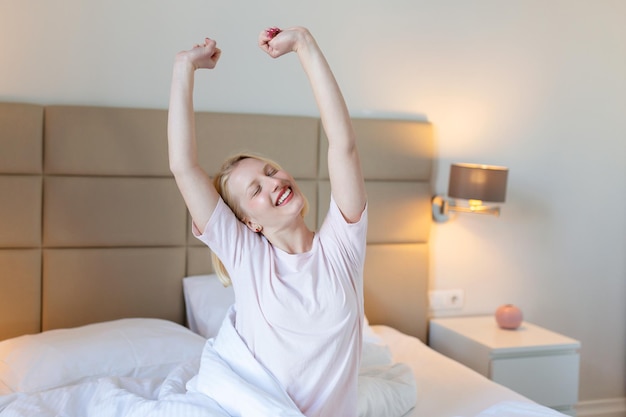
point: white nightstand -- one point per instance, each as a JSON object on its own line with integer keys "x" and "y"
{"x": 537, "y": 363}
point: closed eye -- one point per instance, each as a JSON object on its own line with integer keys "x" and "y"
{"x": 269, "y": 171}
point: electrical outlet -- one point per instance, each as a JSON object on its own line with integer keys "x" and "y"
{"x": 446, "y": 299}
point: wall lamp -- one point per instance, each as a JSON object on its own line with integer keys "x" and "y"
{"x": 475, "y": 183}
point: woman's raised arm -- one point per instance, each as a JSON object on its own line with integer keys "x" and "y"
{"x": 193, "y": 182}
{"x": 344, "y": 166}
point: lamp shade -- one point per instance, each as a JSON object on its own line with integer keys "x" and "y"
{"x": 478, "y": 182}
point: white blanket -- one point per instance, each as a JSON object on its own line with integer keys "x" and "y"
{"x": 225, "y": 382}
{"x": 130, "y": 397}
{"x": 242, "y": 386}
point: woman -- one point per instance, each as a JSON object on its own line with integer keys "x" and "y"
{"x": 299, "y": 298}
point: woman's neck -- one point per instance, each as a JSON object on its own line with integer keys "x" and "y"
{"x": 296, "y": 239}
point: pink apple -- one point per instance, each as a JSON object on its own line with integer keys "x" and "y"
{"x": 509, "y": 316}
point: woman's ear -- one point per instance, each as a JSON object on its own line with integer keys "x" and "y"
{"x": 257, "y": 228}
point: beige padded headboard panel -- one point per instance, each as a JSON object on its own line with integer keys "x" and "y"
{"x": 92, "y": 226}
{"x": 21, "y": 150}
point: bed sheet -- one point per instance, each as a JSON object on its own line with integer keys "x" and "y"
{"x": 446, "y": 388}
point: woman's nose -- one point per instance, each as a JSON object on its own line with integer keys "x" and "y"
{"x": 274, "y": 184}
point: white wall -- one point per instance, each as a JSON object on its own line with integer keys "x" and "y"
{"x": 538, "y": 86}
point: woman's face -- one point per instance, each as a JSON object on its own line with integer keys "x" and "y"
{"x": 267, "y": 196}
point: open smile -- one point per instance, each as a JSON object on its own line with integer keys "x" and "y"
{"x": 284, "y": 196}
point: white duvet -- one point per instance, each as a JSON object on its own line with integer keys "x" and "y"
{"x": 225, "y": 381}
{"x": 134, "y": 397}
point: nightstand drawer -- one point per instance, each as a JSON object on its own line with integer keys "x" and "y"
{"x": 551, "y": 380}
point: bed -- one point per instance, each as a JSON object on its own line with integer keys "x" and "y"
{"x": 107, "y": 300}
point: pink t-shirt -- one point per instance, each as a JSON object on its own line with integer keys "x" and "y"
{"x": 300, "y": 314}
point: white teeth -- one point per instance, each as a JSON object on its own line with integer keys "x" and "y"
{"x": 284, "y": 196}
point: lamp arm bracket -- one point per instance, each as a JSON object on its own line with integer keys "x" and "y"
{"x": 442, "y": 206}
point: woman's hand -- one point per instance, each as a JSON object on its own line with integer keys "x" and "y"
{"x": 278, "y": 42}
{"x": 203, "y": 55}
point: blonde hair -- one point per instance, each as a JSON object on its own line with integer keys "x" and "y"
{"x": 220, "y": 181}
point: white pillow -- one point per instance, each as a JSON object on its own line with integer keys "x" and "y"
{"x": 206, "y": 303}
{"x": 142, "y": 348}
{"x": 369, "y": 336}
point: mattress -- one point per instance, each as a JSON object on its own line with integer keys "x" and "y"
{"x": 446, "y": 388}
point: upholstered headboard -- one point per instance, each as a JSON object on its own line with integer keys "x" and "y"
{"x": 92, "y": 226}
